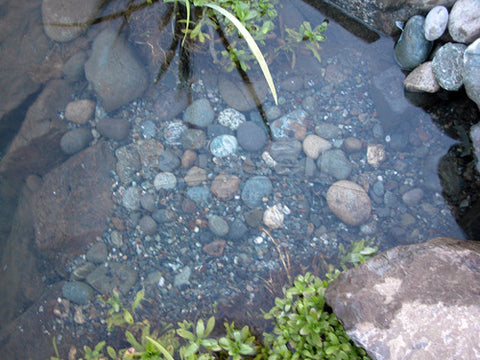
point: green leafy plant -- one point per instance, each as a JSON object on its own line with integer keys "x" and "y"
{"x": 238, "y": 343}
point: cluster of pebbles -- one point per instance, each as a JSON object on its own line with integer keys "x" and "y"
{"x": 206, "y": 199}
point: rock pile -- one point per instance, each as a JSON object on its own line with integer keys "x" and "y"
{"x": 455, "y": 59}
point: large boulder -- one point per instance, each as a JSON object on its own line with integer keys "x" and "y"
{"x": 71, "y": 208}
{"x": 413, "y": 302}
{"x": 114, "y": 71}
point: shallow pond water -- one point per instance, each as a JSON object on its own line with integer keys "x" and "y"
{"x": 190, "y": 240}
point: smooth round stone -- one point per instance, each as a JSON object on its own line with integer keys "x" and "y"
{"x": 471, "y": 71}
{"x": 195, "y": 176}
{"x": 224, "y": 145}
{"x": 285, "y": 150}
{"x": 199, "y": 113}
{"x": 314, "y": 145}
{"x": 199, "y": 194}
{"x": 436, "y": 22}
{"x": 251, "y": 137}
{"x": 194, "y": 139}
{"x": 147, "y": 201}
{"x": 115, "y": 129}
{"x": 165, "y": 180}
{"x": 97, "y": 254}
{"x": 255, "y": 189}
{"x": 335, "y": 163}
{"x": 224, "y": 186}
{"x": 148, "y": 225}
{"x": 412, "y": 48}
{"x": 131, "y": 198}
{"x": 79, "y": 111}
{"x": 349, "y": 202}
{"x": 422, "y": 78}
{"x": 162, "y": 216}
{"x": 413, "y": 197}
{"x": 77, "y": 292}
{"x": 328, "y": 131}
{"x": 447, "y": 66}
{"x": 231, "y": 118}
{"x": 218, "y": 225}
{"x": 75, "y": 140}
{"x": 352, "y": 144}
{"x": 168, "y": 161}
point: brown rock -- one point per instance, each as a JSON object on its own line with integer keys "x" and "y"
{"x": 195, "y": 176}
{"x": 80, "y": 111}
{"x": 215, "y": 248}
{"x": 188, "y": 158}
{"x": 419, "y": 301}
{"x": 224, "y": 186}
{"x": 350, "y": 202}
{"x": 74, "y": 203}
{"x": 422, "y": 79}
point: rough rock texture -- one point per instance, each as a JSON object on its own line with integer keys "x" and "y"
{"x": 382, "y": 14}
{"x": 464, "y": 21}
{"x": 114, "y": 71}
{"x": 67, "y": 214}
{"x": 36, "y": 148}
{"x": 414, "y": 302}
{"x": 471, "y": 71}
{"x": 422, "y": 79}
{"x": 64, "y": 20}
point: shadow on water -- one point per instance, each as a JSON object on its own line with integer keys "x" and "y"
{"x": 355, "y": 92}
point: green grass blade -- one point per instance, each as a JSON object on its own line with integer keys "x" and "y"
{"x": 251, "y": 44}
{"x": 161, "y": 348}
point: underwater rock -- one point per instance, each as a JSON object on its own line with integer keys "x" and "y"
{"x": 75, "y": 140}
{"x": 224, "y": 145}
{"x": 115, "y": 129}
{"x": 251, "y": 137}
{"x": 349, "y": 202}
{"x": 422, "y": 78}
{"x": 199, "y": 113}
{"x": 335, "y": 163}
{"x": 447, "y": 66}
{"x": 114, "y": 72}
{"x": 413, "y": 302}
{"x": 412, "y": 47}
{"x": 255, "y": 189}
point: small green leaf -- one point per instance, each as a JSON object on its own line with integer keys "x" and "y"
{"x": 210, "y": 326}
{"x": 186, "y": 334}
{"x": 200, "y": 329}
{"x": 191, "y": 349}
{"x": 128, "y": 317}
{"x": 112, "y": 353}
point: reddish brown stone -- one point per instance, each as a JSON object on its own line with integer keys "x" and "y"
{"x": 215, "y": 248}
{"x": 224, "y": 186}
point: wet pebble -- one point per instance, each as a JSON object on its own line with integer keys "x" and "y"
{"x": 413, "y": 197}
{"x": 254, "y": 218}
{"x": 195, "y": 176}
{"x": 77, "y": 292}
{"x": 147, "y": 225}
{"x": 352, "y": 145}
{"x": 231, "y": 118}
{"x": 464, "y": 24}
{"x": 215, "y": 248}
{"x": 80, "y": 111}
{"x": 75, "y": 140}
{"x": 194, "y": 139}
{"x": 199, "y": 113}
{"x": 163, "y": 216}
{"x": 173, "y": 132}
{"x": 328, "y": 131}
{"x": 349, "y": 202}
{"x": 165, "y": 180}
{"x": 224, "y": 186}
{"x": 218, "y": 225}
{"x": 292, "y": 125}
{"x": 223, "y": 145}
{"x": 131, "y": 198}
{"x": 471, "y": 75}
{"x": 314, "y": 145}
{"x": 198, "y": 193}
{"x": 168, "y": 161}
{"x": 238, "y": 229}
{"x": 183, "y": 277}
{"x": 148, "y": 129}
{"x": 147, "y": 201}
{"x": 97, "y": 254}
{"x": 273, "y": 216}
{"x": 251, "y": 137}
{"x": 285, "y": 150}
{"x": 116, "y": 275}
{"x": 376, "y": 155}
{"x": 335, "y": 163}
{"x": 115, "y": 129}
{"x": 255, "y": 189}
{"x": 188, "y": 158}
{"x": 422, "y": 78}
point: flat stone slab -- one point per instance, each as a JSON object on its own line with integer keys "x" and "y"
{"x": 419, "y": 301}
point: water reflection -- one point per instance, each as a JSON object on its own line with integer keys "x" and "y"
{"x": 190, "y": 237}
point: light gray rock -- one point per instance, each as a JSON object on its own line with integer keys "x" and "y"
{"x": 349, "y": 202}
{"x": 436, "y": 22}
{"x": 114, "y": 72}
{"x": 475, "y": 136}
{"x": 412, "y": 47}
{"x": 218, "y": 225}
{"x": 78, "y": 292}
{"x": 419, "y": 301}
{"x": 224, "y": 145}
{"x": 464, "y": 21}
{"x": 422, "y": 78}
{"x": 335, "y": 163}
{"x": 75, "y": 140}
{"x": 447, "y": 66}
{"x": 64, "y": 20}
{"x": 199, "y": 113}
{"x": 471, "y": 71}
